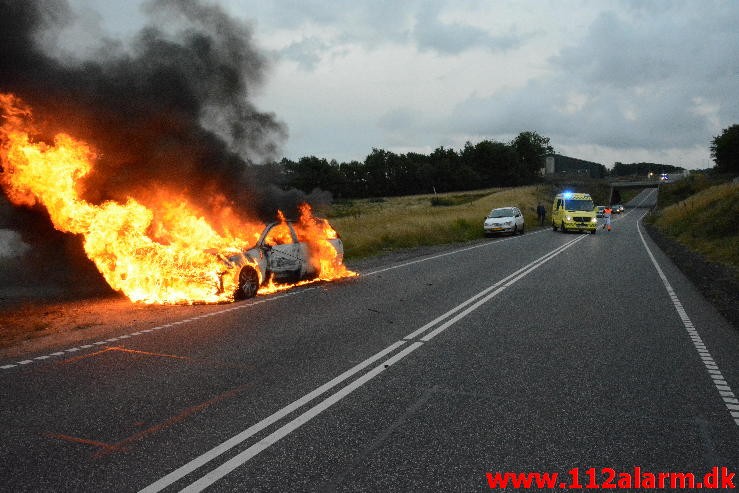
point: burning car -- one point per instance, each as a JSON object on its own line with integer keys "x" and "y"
{"x": 161, "y": 246}
{"x": 288, "y": 252}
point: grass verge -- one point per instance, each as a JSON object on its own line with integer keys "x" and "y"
{"x": 705, "y": 222}
{"x": 368, "y": 227}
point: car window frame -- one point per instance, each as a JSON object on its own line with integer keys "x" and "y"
{"x": 269, "y": 229}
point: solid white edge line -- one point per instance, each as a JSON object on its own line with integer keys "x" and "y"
{"x": 453, "y": 252}
{"x": 708, "y": 361}
{"x": 199, "y": 461}
{"x": 293, "y": 425}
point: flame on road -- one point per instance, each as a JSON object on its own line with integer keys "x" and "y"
{"x": 155, "y": 250}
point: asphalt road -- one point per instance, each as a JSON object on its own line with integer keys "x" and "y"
{"x": 542, "y": 352}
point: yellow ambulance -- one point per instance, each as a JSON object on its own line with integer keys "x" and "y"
{"x": 574, "y": 212}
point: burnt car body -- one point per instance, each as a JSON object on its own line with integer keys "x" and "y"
{"x": 281, "y": 256}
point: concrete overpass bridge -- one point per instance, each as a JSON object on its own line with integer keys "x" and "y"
{"x": 649, "y": 183}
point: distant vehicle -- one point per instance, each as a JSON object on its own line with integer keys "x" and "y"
{"x": 617, "y": 209}
{"x": 574, "y": 211}
{"x": 664, "y": 177}
{"x": 281, "y": 255}
{"x": 599, "y": 211}
{"x": 504, "y": 220}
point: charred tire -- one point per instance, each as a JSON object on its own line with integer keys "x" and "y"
{"x": 248, "y": 283}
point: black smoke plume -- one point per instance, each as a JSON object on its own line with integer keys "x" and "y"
{"x": 172, "y": 109}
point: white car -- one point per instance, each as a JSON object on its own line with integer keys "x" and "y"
{"x": 504, "y": 220}
{"x": 283, "y": 254}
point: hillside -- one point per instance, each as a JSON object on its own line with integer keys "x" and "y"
{"x": 696, "y": 225}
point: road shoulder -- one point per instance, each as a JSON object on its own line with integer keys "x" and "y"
{"x": 713, "y": 280}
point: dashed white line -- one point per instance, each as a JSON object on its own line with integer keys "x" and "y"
{"x": 713, "y": 370}
{"x": 257, "y": 302}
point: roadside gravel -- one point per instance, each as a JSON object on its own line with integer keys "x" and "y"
{"x": 715, "y": 281}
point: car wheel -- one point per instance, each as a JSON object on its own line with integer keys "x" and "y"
{"x": 248, "y": 283}
{"x": 593, "y": 232}
{"x": 554, "y": 226}
{"x": 515, "y": 229}
{"x": 562, "y": 227}
{"x": 523, "y": 228}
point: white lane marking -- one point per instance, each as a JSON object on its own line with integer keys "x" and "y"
{"x": 453, "y": 252}
{"x": 723, "y": 388}
{"x": 142, "y": 331}
{"x": 227, "y": 467}
{"x": 272, "y": 298}
{"x": 269, "y": 420}
{"x": 297, "y": 291}
{"x": 532, "y": 265}
{"x": 293, "y": 425}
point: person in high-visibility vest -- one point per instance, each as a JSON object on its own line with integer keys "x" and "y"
{"x": 607, "y": 217}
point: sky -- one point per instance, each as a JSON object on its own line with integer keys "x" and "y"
{"x": 606, "y": 81}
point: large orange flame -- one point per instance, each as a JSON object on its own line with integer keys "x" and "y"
{"x": 161, "y": 252}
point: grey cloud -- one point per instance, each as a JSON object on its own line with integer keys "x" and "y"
{"x": 453, "y": 38}
{"x": 307, "y": 52}
{"x": 640, "y": 76}
{"x": 370, "y": 24}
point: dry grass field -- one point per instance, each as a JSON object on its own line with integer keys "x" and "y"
{"x": 370, "y": 226}
{"x": 706, "y": 222}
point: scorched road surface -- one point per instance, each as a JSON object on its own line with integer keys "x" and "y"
{"x": 541, "y": 352}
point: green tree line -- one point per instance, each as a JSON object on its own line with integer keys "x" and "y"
{"x": 383, "y": 173}
{"x": 643, "y": 169}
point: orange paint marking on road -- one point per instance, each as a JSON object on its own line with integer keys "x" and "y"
{"x": 126, "y": 442}
{"x": 84, "y": 356}
{"x": 147, "y": 353}
{"x": 85, "y": 441}
{"x": 121, "y": 349}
